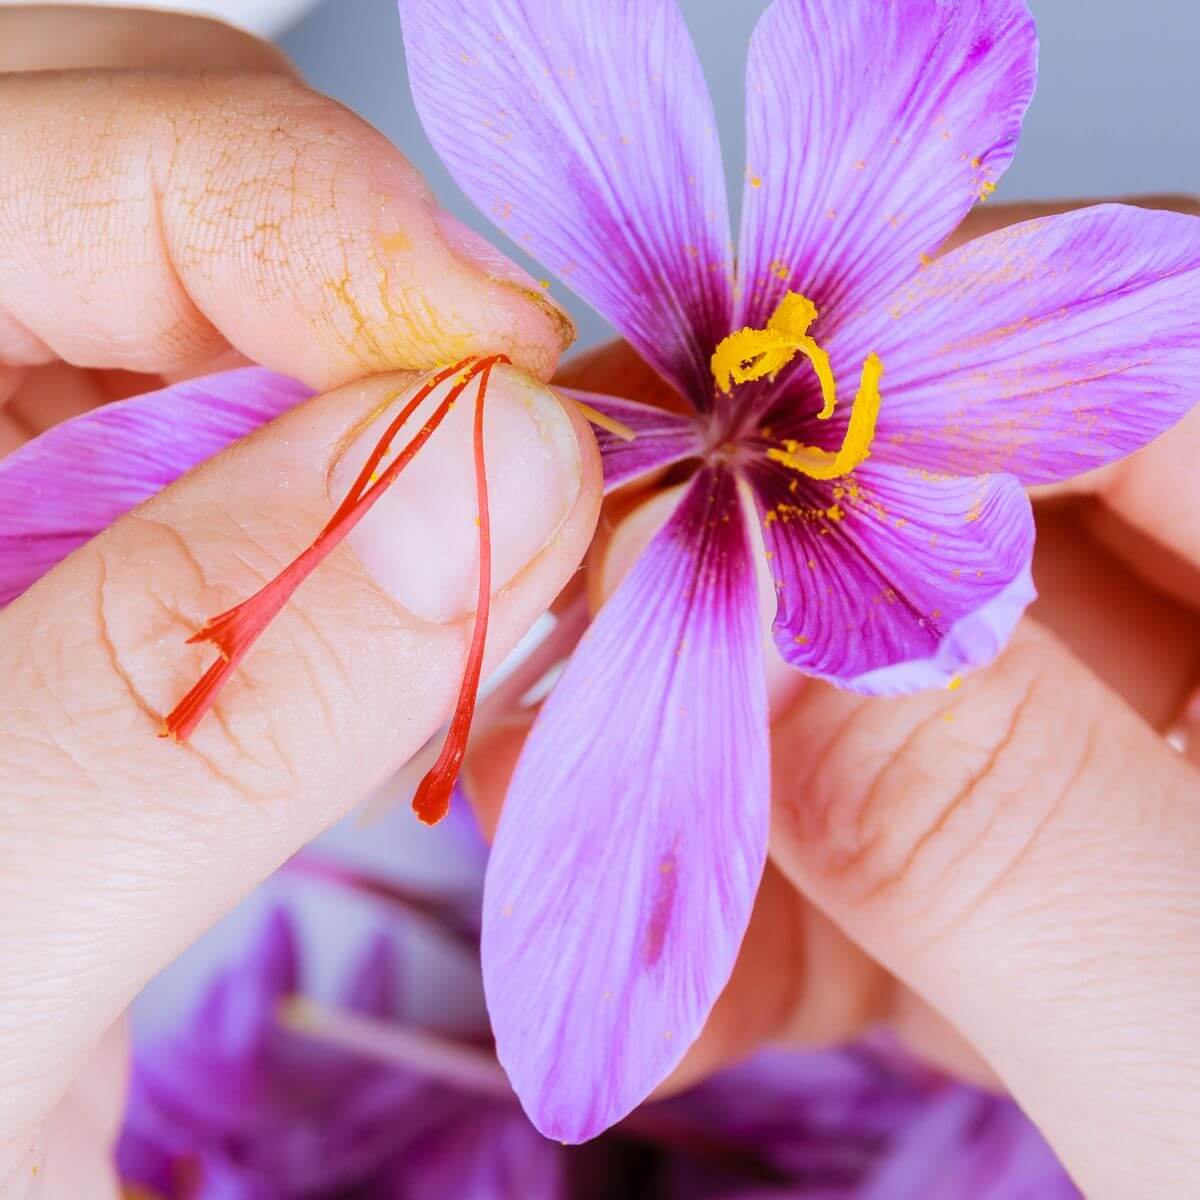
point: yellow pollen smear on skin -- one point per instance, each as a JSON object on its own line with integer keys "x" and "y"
{"x": 750, "y": 354}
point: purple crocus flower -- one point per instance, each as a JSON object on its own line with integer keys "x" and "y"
{"x": 861, "y": 1123}
{"x": 260, "y": 1094}
{"x": 238, "y": 1105}
{"x": 896, "y": 526}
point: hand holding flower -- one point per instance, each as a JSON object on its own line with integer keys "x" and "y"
{"x": 152, "y": 224}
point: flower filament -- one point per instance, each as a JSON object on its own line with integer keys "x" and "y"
{"x": 750, "y": 354}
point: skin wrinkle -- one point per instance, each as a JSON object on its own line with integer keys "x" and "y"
{"x": 801, "y": 814}
{"x": 955, "y": 803}
{"x": 855, "y": 864}
{"x": 46, "y": 680}
{"x": 868, "y": 844}
{"x": 972, "y": 795}
{"x": 181, "y": 627}
{"x": 285, "y": 535}
{"x": 1053, "y": 806}
{"x": 205, "y": 331}
{"x": 110, "y": 650}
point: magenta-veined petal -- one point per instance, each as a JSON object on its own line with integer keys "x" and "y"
{"x": 586, "y": 133}
{"x": 890, "y": 581}
{"x": 633, "y": 836}
{"x": 660, "y": 437}
{"x": 873, "y": 127}
{"x": 64, "y": 487}
{"x": 1043, "y": 350}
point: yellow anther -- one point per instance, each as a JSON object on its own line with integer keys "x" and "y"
{"x": 751, "y": 354}
{"x": 856, "y": 445}
{"x": 755, "y": 353}
{"x": 595, "y": 417}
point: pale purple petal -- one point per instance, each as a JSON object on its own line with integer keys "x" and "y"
{"x": 967, "y": 1145}
{"x": 215, "y": 1178}
{"x": 890, "y": 581}
{"x": 64, "y": 487}
{"x": 873, "y": 127}
{"x": 661, "y": 437}
{"x": 371, "y": 989}
{"x": 586, "y": 133}
{"x": 633, "y": 835}
{"x": 1044, "y": 350}
{"x": 238, "y": 1011}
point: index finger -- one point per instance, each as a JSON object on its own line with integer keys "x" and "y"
{"x": 148, "y": 221}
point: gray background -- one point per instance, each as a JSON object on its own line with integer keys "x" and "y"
{"x": 1117, "y": 109}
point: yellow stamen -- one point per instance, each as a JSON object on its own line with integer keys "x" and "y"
{"x": 754, "y": 353}
{"x": 750, "y": 354}
{"x": 856, "y": 445}
{"x": 595, "y": 417}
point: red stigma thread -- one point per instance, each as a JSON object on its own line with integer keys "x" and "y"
{"x": 235, "y": 631}
{"x": 432, "y": 799}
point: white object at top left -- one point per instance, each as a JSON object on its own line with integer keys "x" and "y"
{"x": 264, "y": 17}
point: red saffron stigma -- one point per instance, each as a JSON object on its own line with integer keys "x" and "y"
{"x": 431, "y": 801}
{"x": 234, "y": 632}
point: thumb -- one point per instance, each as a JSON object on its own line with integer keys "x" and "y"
{"x": 1025, "y": 853}
{"x": 121, "y": 847}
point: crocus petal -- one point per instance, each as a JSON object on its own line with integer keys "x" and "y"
{"x": 890, "y": 581}
{"x": 371, "y": 989}
{"x": 1044, "y": 350}
{"x": 64, "y": 487}
{"x": 586, "y": 133}
{"x": 660, "y": 437}
{"x": 238, "y": 1011}
{"x": 632, "y": 839}
{"x": 482, "y": 1152}
{"x": 967, "y": 1145}
{"x": 873, "y": 127}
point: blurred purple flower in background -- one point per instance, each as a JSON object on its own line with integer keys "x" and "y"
{"x": 896, "y": 528}
{"x": 263, "y": 1093}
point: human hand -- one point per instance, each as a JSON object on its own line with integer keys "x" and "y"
{"x": 1007, "y": 874}
{"x": 156, "y": 223}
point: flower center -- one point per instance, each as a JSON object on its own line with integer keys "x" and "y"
{"x": 749, "y": 354}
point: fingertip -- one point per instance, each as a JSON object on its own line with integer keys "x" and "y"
{"x": 259, "y": 216}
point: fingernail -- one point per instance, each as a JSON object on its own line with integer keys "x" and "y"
{"x": 421, "y": 540}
